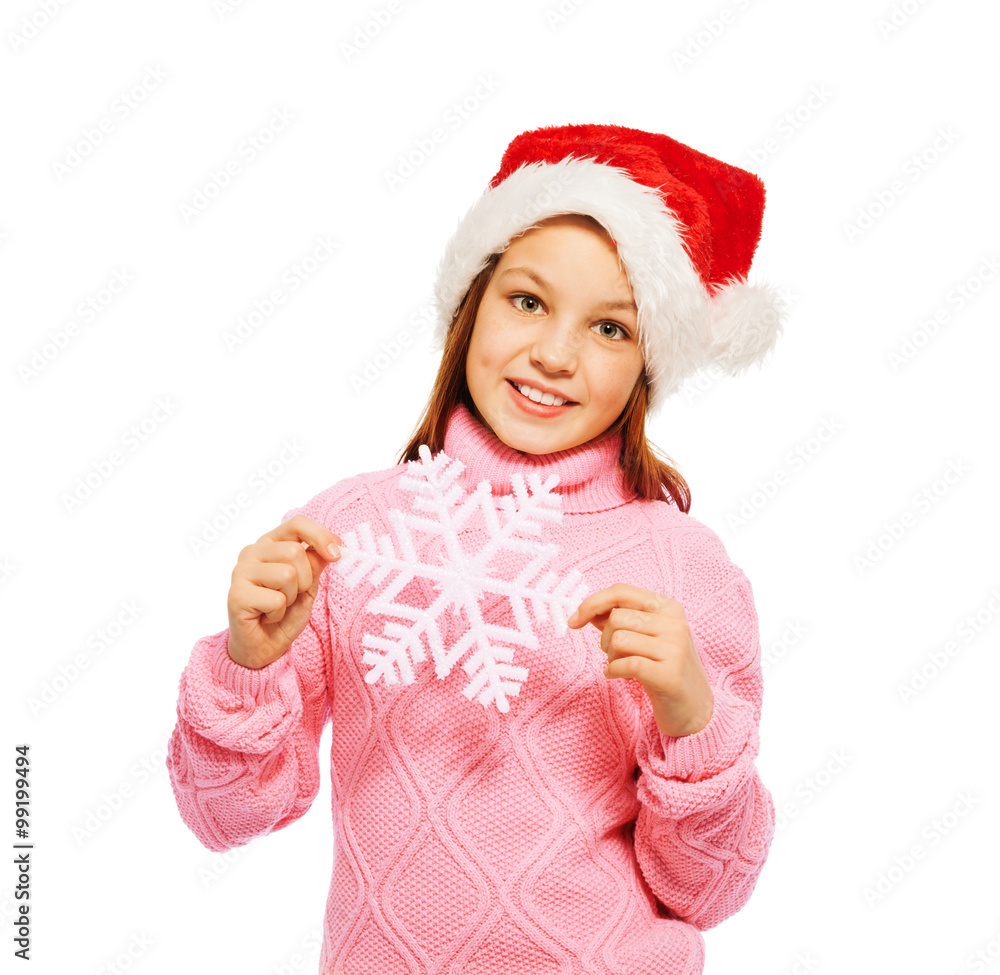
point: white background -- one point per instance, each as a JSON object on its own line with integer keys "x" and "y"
{"x": 887, "y": 129}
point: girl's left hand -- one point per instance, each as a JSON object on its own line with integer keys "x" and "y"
{"x": 646, "y": 636}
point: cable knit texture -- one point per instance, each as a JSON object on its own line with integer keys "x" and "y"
{"x": 568, "y": 835}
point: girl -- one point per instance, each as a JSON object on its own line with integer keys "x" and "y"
{"x": 568, "y": 800}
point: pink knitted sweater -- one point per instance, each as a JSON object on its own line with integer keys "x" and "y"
{"x": 565, "y": 835}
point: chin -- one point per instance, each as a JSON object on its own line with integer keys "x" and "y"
{"x": 547, "y": 446}
{"x": 524, "y": 441}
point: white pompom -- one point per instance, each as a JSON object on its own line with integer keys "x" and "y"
{"x": 745, "y": 322}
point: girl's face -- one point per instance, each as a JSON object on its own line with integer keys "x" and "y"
{"x": 558, "y": 316}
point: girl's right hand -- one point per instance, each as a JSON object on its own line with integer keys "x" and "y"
{"x": 274, "y": 584}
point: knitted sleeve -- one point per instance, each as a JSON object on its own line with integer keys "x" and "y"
{"x": 243, "y": 756}
{"x": 705, "y": 820}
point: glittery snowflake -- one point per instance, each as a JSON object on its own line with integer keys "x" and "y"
{"x": 461, "y": 579}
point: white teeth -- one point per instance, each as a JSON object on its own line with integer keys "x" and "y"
{"x": 546, "y": 399}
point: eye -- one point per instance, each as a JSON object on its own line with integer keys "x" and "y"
{"x": 532, "y": 303}
{"x": 620, "y": 335}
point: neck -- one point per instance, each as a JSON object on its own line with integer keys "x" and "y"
{"x": 589, "y": 476}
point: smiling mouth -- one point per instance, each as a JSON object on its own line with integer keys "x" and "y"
{"x": 543, "y": 399}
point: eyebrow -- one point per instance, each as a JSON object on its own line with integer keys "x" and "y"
{"x": 620, "y": 305}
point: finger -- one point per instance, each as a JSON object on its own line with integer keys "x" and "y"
{"x": 620, "y": 594}
{"x": 253, "y": 602}
{"x": 302, "y": 529}
{"x": 636, "y": 620}
{"x": 281, "y": 577}
{"x": 308, "y": 565}
{"x": 614, "y": 626}
{"x": 625, "y": 643}
{"x": 633, "y": 667}
{"x": 643, "y": 660}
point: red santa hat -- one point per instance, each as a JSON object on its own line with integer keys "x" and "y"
{"x": 686, "y": 228}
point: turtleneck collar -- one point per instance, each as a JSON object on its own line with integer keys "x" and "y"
{"x": 589, "y": 476}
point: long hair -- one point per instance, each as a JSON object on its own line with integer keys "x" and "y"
{"x": 647, "y": 476}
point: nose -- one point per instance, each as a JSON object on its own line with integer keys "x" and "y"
{"x": 555, "y": 347}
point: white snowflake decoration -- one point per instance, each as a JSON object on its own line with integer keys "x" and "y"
{"x": 461, "y": 578}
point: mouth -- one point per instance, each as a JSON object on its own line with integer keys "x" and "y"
{"x": 539, "y": 397}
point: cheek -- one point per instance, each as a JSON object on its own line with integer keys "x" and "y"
{"x": 613, "y": 381}
{"x": 481, "y": 365}
{"x": 616, "y": 381}
{"x": 491, "y": 347}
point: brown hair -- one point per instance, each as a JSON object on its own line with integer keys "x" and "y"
{"x": 645, "y": 475}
